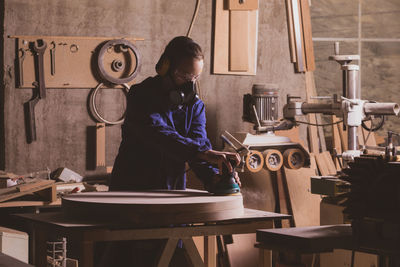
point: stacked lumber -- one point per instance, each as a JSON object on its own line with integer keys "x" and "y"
{"x": 44, "y": 188}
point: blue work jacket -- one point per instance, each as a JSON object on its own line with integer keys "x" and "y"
{"x": 158, "y": 139}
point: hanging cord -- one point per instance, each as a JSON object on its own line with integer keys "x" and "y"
{"x": 316, "y": 124}
{"x": 196, "y": 11}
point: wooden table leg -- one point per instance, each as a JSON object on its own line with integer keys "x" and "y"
{"x": 265, "y": 258}
{"x": 40, "y": 249}
{"x": 167, "y": 252}
{"x": 192, "y": 251}
{"x": 86, "y": 254}
{"x": 209, "y": 251}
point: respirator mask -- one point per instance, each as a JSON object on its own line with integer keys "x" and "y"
{"x": 183, "y": 94}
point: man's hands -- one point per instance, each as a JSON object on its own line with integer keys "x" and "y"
{"x": 220, "y": 158}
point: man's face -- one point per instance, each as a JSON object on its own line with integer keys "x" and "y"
{"x": 188, "y": 70}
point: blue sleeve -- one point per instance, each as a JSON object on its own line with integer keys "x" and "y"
{"x": 147, "y": 123}
{"x": 168, "y": 139}
{"x": 203, "y": 170}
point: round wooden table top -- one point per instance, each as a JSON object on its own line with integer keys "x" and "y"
{"x": 160, "y": 207}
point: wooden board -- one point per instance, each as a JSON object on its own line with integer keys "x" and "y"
{"x": 315, "y": 133}
{"x": 162, "y": 207}
{"x": 317, "y": 238}
{"x": 28, "y": 188}
{"x": 289, "y": 16}
{"x": 325, "y": 163}
{"x": 297, "y": 26}
{"x": 100, "y": 144}
{"x": 366, "y": 135}
{"x": 307, "y": 35}
{"x": 305, "y": 206}
{"x": 221, "y": 41}
{"x": 238, "y": 41}
{"x": 73, "y": 69}
{"x": 245, "y": 5}
{"x": 336, "y": 141}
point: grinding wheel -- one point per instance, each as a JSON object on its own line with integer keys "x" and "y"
{"x": 161, "y": 207}
{"x": 273, "y": 159}
{"x": 294, "y": 158}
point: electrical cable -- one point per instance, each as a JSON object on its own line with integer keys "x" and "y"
{"x": 196, "y": 11}
{"x": 316, "y": 124}
{"x": 93, "y": 107}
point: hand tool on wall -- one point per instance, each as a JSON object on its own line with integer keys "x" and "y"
{"x": 53, "y": 58}
{"x": 38, "y": 47}
{"x": 21, "y": 57}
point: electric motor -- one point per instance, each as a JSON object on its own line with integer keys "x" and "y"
{"x": 264, "y": 99}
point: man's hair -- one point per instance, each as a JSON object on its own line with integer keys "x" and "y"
{"x": 178, "y": 49}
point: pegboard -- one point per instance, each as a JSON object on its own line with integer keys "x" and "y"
{"x": 75, "y": 61}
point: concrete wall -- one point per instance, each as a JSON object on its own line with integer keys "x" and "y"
{"x": 379, "y": 29}
{"x": 62, "y": 119}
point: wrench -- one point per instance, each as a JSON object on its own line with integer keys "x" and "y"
{"x": 53, "y": 58}
{"x": 39, "y": 49}
{"x": 21, "y": 58}
{"x": 29, "y": 107}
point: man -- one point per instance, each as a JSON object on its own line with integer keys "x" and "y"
{"x": 165, "y": 127}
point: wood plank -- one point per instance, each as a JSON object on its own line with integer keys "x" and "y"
{"x": 192, "y": 251}
{"x": 317, "y": 238}
{"x": 221, "y": 41}
{"x": 364, "y": 134}
{"x": 72, "y": 68}
{"x": 210, "y": 251}
{"x": 293, "y": 134}
{"x": 307, "y": 35}
{"x": 300, "y": 66}
{"x": 336, "y": 141}
{"x": 238, "y": 41}
{"x": 289, "y": 16}
{"x": 284, "y": 198}
{"x": 100, "y": 144}
{"x": 322, "y": 166}
{"x": 313, "y": 131}
{"x": 343, "y": 137}
{"x": 305, "y": 206}
{"x": 325, "y": 163}
{"x": 329, "y": 162}
{"x": 161, "y": 207}
{"x": 167, "y": 253}
{"x": 26, "y": 189}
{"x": 9, "y": 204}
{"x": 245, "y": 5}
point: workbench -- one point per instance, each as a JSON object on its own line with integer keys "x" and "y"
{"x": 84, "y": 234}
{"x": 318, "y": 239}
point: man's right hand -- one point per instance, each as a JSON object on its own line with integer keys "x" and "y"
{"x": 219, "y": 158}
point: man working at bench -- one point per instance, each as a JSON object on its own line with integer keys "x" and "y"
{"x": 165, "y": 127}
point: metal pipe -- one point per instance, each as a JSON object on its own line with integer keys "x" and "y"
{"x": 324, "y": 108}
{"x": 353, "y": 91}
{"x": 381, "y": 109}
{"x": 352, "y": 138}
